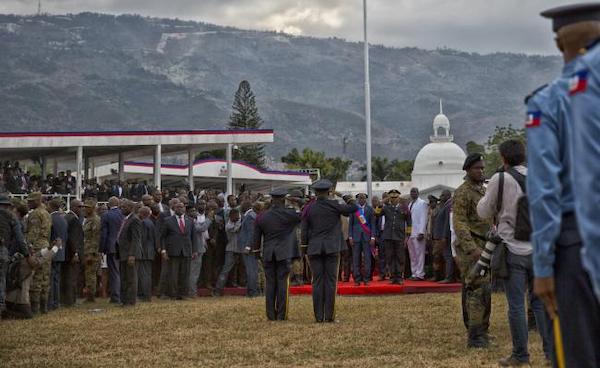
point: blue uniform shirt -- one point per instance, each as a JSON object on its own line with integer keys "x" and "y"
{"x": 548, "y": 179}
{"x": 585, "y": 101}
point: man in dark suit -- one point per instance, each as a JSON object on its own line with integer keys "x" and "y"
{"x": 144, "y": 265}
{"x": 117, "y": 190}
{"x": 322, "y": 240}
{"x": 74, "y": 253}
{"x": 130, "y": 252}
{"x": 396, "y": 217}
{"x": 178, "y": 246}
{"x": 362, "y": 231}
{"x": 158, "y": 199}
{"x": 58, "y": 234}
{"x": 277, "y": 229}
{"x": 112, "y": 221}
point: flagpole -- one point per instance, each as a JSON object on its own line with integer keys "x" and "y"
{"x": 367, "y": 104}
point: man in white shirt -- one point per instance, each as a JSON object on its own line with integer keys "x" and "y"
{"x": 416, "y": 243}
{"x": 501, "y": 202}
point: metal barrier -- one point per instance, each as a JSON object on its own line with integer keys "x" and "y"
{"x": 67, "y": 198}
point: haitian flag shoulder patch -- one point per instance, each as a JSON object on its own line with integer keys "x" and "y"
{"x": 578, "y": 82}
{"x": 534, "y": 119}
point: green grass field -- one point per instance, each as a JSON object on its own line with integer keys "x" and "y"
{"x": 395, "y": 331}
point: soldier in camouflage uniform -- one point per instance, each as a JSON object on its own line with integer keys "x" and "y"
{"x": 91, "y": 244}
{"x": 37, "y": 233}
{"x": 470, "y": 240}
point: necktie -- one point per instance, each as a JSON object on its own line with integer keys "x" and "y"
{"x": 181, "y": 225}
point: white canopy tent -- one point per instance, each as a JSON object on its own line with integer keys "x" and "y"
{"x": 86, "y": 145}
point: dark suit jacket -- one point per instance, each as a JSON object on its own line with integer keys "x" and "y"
{"x": 59, "y": 230}
{"x": 176, "y": 243}
{"x": 130, "y": 239}
{"x": 441, "y": 222}
{"x": 277, "y": 228}
{"x": 148, "y": 240}
{"x": 356, "y": 231}
{"x": 322, "y": 228}
{"x": 74, "y": 237}
{"x": 111, "y": 223}
{"x": 397, "y": 218}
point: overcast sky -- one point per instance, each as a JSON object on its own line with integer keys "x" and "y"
{"x": 470, "y": 25}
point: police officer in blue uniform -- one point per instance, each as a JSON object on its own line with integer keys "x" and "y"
{"x": 560, "y": 280}
{"x": 322, "y": 240}
{"x": 585, "y": 99}
{"x": 276, "y": 228}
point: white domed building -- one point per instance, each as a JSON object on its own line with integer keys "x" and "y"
{"x": 438, "y": 165}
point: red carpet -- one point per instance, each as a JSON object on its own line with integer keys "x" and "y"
{"x": 374, "y": 288}
{"x": 384, "y": 288}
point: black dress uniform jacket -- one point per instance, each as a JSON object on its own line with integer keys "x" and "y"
{"x": 278, "y": 227}
{"x": 397, "y": 218}
{"x": 322, "y": 228}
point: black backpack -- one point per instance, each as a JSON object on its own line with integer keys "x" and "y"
{"x": 523, "y": 223}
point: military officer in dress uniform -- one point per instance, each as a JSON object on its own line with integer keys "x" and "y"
{"x": 563, "y": 186}
{"x": 396, "y": 218}
{"x": 92, "y": 227}
{"x": 37, "y": 233}
{"x": 276, "y": 229}
{"x": 322, "y": 240}
{"x": 470, "y": 241}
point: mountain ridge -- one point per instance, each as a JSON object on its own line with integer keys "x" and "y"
{"x": 108, "y": 72}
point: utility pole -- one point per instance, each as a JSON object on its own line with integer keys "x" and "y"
{"x": 39, "y": 8}
{"x": 367, "y": 104}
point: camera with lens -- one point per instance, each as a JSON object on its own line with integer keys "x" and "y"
{"x": 482, "y": 266}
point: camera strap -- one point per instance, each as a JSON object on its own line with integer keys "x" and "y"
{"x": 499, "y": 199}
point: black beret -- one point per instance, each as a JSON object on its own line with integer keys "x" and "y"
{"x": 394, "y": 191}
{"x": 471, "y": 160}
{"x": 278, "y": 192}
{"x": 365, "y": 194}
{"x": 322, "y": 184}
{"x": 569, "y": 14}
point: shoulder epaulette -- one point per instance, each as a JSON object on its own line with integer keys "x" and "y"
{"x": 534, "y": 93}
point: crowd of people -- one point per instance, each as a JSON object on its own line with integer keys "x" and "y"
{"x": 16, "y": 180}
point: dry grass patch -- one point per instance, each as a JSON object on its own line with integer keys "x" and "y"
{"x": 397, "y": 331}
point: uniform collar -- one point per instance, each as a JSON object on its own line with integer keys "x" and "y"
{"x": 569, "y": 68}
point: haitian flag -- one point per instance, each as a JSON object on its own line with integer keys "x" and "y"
{"x": 578, "y": 82}
{"x": 534, "y": 119}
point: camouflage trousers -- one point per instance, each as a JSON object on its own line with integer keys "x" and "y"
{"x": 477, "y": 297}
{"x": 91, "y": 275}
{"x": 38, "y": 292}
{"x": 261, "y": 276}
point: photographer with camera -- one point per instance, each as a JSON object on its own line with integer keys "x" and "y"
{"x": 506, "y": 202}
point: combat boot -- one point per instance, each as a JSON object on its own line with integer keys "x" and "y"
{"x": 477, "y": 338}
{"x": 43, "y": 306}
{"x": 35, "y": 308}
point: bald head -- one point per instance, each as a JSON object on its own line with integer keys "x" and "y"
{"x": 173, "y": 203}
{"x": 144, "y": 212}
{"x": 113, "y": 202}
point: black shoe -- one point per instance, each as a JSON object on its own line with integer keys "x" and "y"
{"x": 366, "y": 283}
{"x": 356, "y": 283}
{"x": 478, "y": 344}
{"x": 446, "y": 281}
